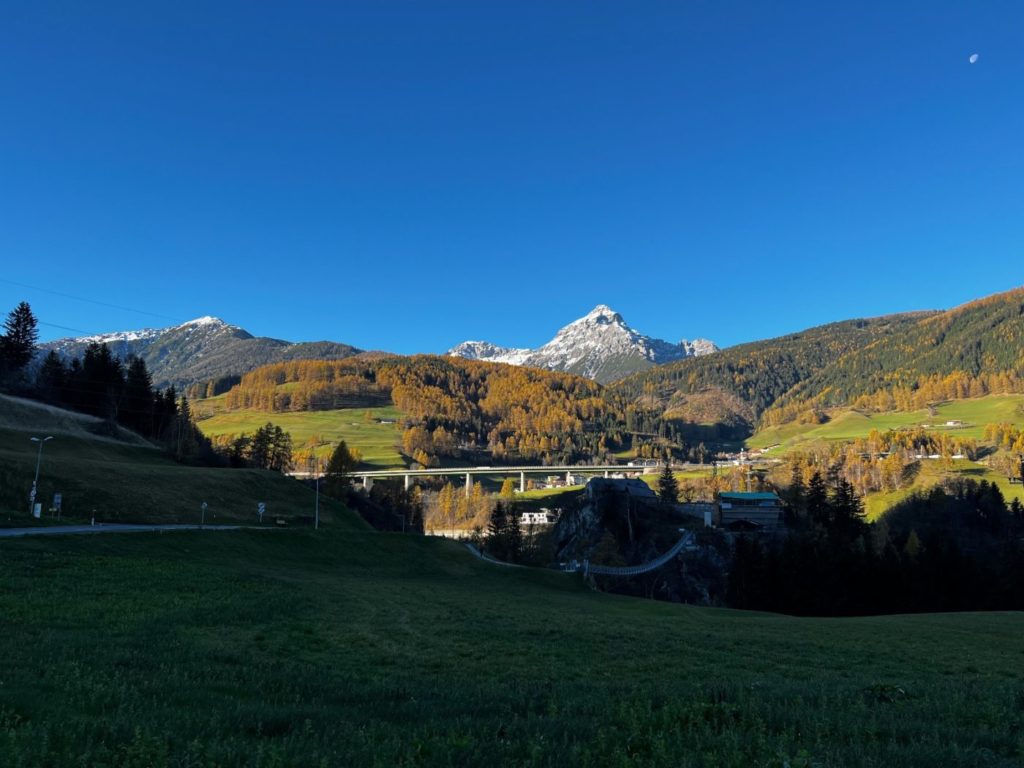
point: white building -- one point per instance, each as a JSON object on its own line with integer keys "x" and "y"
{"x": 543, "y": 517}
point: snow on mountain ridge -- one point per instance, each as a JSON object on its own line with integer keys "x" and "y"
{"x": 205, "y": 321}
{"x": 484, "y": 350}
{"x": 199, "y": 350}
{"x": 598, "y": 345}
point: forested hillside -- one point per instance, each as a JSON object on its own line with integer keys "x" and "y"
{"x": 970, "y": 351}
{"x": 734, "y": 386}
{"x": 452, "y": 406}
{"x": 897, "y": 362}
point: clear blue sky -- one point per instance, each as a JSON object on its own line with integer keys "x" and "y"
{"x": 403, "y": 176}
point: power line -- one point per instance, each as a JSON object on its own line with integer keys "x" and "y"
{"x": 88, "y": 301}
{"x": 64, "y": 327}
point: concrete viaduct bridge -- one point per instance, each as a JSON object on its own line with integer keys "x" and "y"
{"x": 468, "y": 472}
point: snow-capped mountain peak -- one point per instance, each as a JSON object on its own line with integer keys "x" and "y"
{"x": 599, "y": 345}
{"x": 200, "y": 350}
{"x": 206, "y": 320}
{"x": 602, "y": 314}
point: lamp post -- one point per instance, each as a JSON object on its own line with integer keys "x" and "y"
{"x": 35, "y": 482}
{"x": 314, "y": 466}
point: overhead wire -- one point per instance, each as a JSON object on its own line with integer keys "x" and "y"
{"x": 89, "y": 301}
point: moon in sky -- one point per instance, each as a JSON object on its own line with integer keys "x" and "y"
{"x": 973, "y": 58}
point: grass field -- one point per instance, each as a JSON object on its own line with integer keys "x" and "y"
{"x": 934, "y": 472}
{"x": 377, "y": 442}
{"x": 118, "y": 481}
{"x": 847, "y": 425}
{"x": 355, "y": 648}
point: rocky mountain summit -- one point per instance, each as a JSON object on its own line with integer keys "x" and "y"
{"x": 599, "y": 345}
{"x": 204, "y": 349}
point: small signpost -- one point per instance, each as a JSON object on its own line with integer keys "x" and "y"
{"x": 202, "y": 520}
{"x": 56, "y": 504}
{"x": 260, "y": 509}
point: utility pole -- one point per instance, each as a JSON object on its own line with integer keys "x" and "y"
{"x": 35, "y": 482}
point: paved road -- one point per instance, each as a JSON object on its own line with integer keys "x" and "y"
{"x": 60, "y": 530}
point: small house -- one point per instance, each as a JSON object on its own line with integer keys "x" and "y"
{"x": 543, "y": 517}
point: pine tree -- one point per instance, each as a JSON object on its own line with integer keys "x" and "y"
{"x": 497, "y": 531}
{"x": 18, "y": 342}
{"x": 52, "y": 379}
{"x": 137, "y": 405}
{"x": 339, "y": 468}
{"x": 280, "y": 451}
{"x": 668, "y": 488}
{"x": 259, "y": 448}
{"x": 513, "y": 536}
{"x": 847, "y": 511}
{"x": 817, "y": 501}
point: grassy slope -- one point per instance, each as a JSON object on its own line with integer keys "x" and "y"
{"x": 288, "y": 648}
{"x": 119, "y": 481}
{"x": 847, "y": 425}
{"x": 377, "y": 442}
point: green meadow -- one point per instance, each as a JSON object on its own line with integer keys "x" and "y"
{"x": 848, "y": 424}
{"x": 377, "y": 442}
{"x": 347, "y": 647}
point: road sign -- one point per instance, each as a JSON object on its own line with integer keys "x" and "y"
{"x": 56, "y": 501}
{"x": 260, "y": 509}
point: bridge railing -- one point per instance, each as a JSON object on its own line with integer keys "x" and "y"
{"x": 685, "y": 542}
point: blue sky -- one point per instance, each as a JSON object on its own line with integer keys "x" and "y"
{"x": 404, "y": 176}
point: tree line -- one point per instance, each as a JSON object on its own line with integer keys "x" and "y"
{"x": 98, "y": 384}
{"x": 954, "y": 547}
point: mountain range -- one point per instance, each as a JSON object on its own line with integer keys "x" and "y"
{"x": 201, "y": 350}
{"x": 599, "y": 345}
{"x": 799, "y": 375}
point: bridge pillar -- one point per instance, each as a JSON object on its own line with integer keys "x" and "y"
{"x": 606, "y": 473}
{"x": 568, "y": 477}
{"x": 522, "y": 482}
{"x": 366, "y": 483}
{"x": 408, "y": 481}
{"x": 469, "y": 484}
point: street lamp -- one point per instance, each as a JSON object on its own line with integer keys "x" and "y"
{"x": 314, "y": 466}
{"x": 35, "y": 482}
